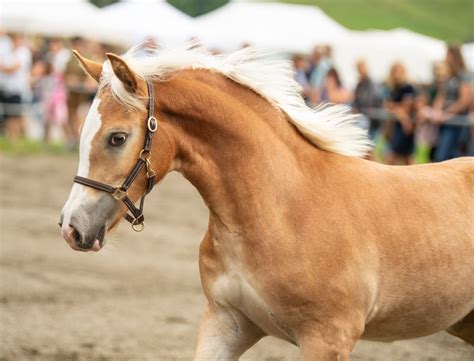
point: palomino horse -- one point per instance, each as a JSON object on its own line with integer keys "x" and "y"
{"x": 306, "y": 241}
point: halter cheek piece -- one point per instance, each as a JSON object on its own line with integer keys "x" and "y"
{"x": 135, "y": 217}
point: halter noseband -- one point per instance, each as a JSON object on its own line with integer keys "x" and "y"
{"x": 135, "y": 217}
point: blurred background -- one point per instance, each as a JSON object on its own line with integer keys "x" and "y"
{"x": 405, "y": 65}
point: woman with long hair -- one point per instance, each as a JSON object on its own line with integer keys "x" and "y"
{"x": 334, "y": 91}
{"x": 453, "y": 98}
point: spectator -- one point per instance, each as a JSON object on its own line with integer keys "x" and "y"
{"x": 5, "y": 47}
{"x": 324, "y": 64}
{"x": 55, "y": 104}
{"x": 15, "y": 68}
{"x": 452, "y": 99}
{"x": 427, "y": 133}
{"x": 299, "y": 65}
{"x": 314, "y": 61}
{"x": 77, "y": 92}
{"x": 470, "y": 147}
{"x": 333, "y": 91}
{"x": 366, "y": 96}
{"x": 401, "y": 103}
{"x": 41, "y": 86}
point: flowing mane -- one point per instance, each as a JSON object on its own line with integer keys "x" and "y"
{"x": 330, "y": 127}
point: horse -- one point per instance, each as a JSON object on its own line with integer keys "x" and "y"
{"x": 307, "y": 241}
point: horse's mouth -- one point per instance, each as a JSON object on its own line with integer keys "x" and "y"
{"x": 95, "y": 244}
{"x": 98, "y": 242}
{"x": 100, "y": 238}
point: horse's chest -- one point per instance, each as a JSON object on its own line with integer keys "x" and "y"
{"x": 232, "y": 292}
{"x": 230, "y": 287}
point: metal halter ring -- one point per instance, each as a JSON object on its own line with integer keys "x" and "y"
{"x": 145, "y": 155}
{"x": 119, "y": 193}
{"x": 152, "y": 124}
{"x": 150, "y": 173}
{"x": 138, "y": 227}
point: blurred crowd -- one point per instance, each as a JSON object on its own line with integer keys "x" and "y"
{"x": 403, "y": 116}
{"x": 42, "y": 87}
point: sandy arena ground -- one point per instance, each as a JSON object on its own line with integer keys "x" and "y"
{"x": 139, "y": 298}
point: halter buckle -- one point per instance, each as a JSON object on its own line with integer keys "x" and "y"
{"x": 150, "y": 173}
{"x": 138, "y": 227}
{"x": 152, "y": 124}
{"x": 119, "y": 193}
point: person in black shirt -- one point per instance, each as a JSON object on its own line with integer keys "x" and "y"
{"x": 401, "y": 103}
{"x": 366, "y": 96}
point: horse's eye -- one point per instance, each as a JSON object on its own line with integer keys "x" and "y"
{"x": 117, "y": 139}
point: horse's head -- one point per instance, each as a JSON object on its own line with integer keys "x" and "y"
{"x": 112, "y": 138}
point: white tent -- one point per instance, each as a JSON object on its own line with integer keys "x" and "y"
{"x": 53, "y": 18}
{"x": 381, "y": 49}
{"x": 291, "y": 28}
{"x": 124, "y": 23}
{"x": 136, "y": 20}
{"x": 468, "y": 54}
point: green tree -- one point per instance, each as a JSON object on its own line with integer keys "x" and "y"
{"x": 102, "y": 3}
{"x": 191, "y": 7}
{"x": 197, "y": 7}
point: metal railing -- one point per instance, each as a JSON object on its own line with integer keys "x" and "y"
{"x": 384, "y": 115}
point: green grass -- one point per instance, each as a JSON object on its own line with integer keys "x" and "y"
{"x": 450, "y": 20}
{"x": 29, "y": 147}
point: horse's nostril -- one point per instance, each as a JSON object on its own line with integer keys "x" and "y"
{"x": 77, "y": 236}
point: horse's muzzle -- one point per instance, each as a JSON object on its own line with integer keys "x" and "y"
{"x": 80, "y": 241}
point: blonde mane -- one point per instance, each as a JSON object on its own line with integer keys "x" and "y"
{"x": 329, "y": 127}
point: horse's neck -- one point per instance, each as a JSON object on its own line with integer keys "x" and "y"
{"x": 233, "y": 146}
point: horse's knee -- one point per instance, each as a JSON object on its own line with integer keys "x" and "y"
{"x": 464, "y": 329}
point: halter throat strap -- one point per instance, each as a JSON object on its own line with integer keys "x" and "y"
{"x": 135, "y": 215}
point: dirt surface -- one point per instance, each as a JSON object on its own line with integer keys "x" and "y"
{"x": 139, "y": 298}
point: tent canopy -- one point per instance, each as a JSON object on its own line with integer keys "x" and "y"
{"x": 468, "y": 53}
{"x": 125, "y": 23}
{"x": 292, "y": 28}
{"x": 53, "y": 18}
{"x": 135, "y": 20}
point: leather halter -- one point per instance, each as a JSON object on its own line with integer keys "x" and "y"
{"x": 135, "y": 217}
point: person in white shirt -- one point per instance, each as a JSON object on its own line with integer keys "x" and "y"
{"x": 55, "y": 104}
{"x": 58, "y": 55}
{"x": 15, "y": 68}
{"x": 5, "y": 46}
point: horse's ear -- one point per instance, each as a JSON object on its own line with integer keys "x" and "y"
{"x": 91, "y": 67}
{"x": 131, "y": 81}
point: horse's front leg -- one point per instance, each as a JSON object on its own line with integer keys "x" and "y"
{"x": 225, "y": 334}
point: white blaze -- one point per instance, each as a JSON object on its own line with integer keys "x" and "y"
{"x": 91, "y": 126}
